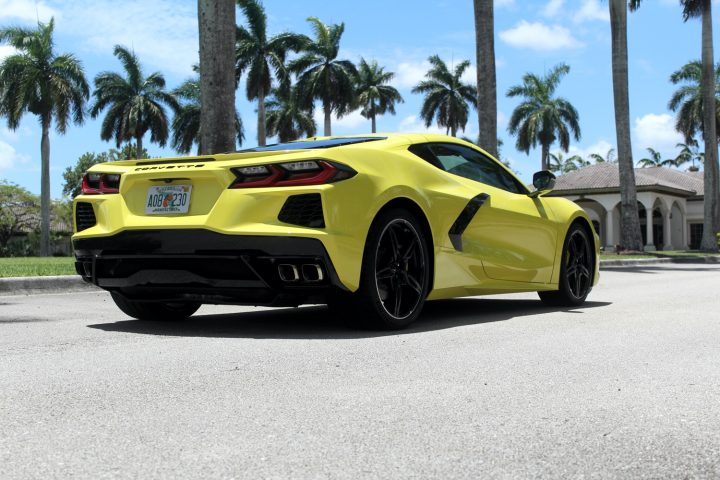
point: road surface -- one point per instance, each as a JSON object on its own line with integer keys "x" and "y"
{"x": 497, "y": 387}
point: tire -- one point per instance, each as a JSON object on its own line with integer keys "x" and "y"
{"x": 162, "y": 311}
{"x": 395, "y": 275}
{"x": 577, "y": 271}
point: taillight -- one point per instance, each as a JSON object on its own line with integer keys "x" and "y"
{"x": 307, "y": 172}
{"x": 96, "y": 183}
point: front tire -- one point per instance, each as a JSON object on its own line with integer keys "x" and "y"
{"x": 395, "y": 275}
{"x": 577, "y": 271}
{"x": 162, "y": 311}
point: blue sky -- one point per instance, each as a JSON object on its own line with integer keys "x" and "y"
{"x": 531, "y": 36}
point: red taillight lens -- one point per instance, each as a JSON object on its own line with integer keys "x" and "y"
{"x": 308, "y": 172}
{"x": 97, "y": 183}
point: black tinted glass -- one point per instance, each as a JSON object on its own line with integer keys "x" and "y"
{"x": 313, "y": 144}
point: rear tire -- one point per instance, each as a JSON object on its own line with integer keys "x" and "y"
{"x": 577, "y": 271}
{"x": 395, "y": 275}
{"x": 161, "y": 311}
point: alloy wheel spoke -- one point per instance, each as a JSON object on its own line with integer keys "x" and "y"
{"x": 386, "y": 272}
{"x": 410, "y": 249}
{"x": 398, "y": 300}
{"x": 414, "y": 284}
{"x": 394, "y": 243}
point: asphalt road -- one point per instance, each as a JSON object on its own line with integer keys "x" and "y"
{"x": 500, "y": 387}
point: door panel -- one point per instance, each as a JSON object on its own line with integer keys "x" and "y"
{"x": 514, "y": 236}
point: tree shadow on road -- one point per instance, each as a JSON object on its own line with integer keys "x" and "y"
{"x": 316, "y": 322}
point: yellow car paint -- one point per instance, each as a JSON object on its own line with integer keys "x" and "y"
{"x": 514, "y": 243}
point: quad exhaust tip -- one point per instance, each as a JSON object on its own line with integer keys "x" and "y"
{"x": 288, "y": 272}
{"x": 308, "y": 272}
{"x": 312, "y": 272}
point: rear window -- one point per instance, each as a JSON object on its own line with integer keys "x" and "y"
{"x": 313, "y": 144}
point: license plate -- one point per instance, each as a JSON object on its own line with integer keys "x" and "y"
{"x": 168, "y": 199}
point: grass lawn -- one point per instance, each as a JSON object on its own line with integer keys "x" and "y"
{"x": 36, "y": 266}
{"x": 614, "y": 256}
{"x": 684, "y": 253}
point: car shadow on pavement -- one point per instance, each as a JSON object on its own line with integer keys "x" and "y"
{"x": 317, "y": 322}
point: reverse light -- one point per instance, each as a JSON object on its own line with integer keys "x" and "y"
{"x": 308, "y": 172}
{"x": 94, "y": 183}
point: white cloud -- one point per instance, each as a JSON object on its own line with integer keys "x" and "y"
{"x": 415, "y": 124}
{"x": 163, "y": 33}
{"x": 591, "y": 10}
{"x": 6, "y": 51}
{"x": 348, "y": 122}
{"x": 9, "y": 157}
{"x": 502, "y": 120}
{"x": 26, "y": 11}
{"x": 552, "y": 8}
{"x": 658, "y": 132}
{"x": 601, "y": 147}
{"x": 408, "y": 74}
{"x": 538, "y": 36}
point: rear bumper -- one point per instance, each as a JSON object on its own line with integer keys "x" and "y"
{"x": 202, "y": 265}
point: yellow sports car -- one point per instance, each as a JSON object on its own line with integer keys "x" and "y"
{"x": 371, "y": 225}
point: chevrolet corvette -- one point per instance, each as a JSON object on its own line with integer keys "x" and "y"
{"x": 373, "y": 226}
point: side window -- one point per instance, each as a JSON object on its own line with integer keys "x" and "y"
{"x": 468, "y": 163}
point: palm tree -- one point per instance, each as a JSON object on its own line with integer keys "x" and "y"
{"x": 217, "y": 35}
{"x": 486, "y": 75}
{"x": 689, "y": 152}
{"x": 134, "y": 102}
{"x": 374, "y": 96}
{"x": 609, "y": 158}
{"x": 541, "y": 117}
{"x": 322, "y": 76}
{"x": 186, "y": 123}
{"x": 260, "y": 57}
{"x": 285, "y": 117}
{"x": 655, "y": 160}
{"x": 687, "y": 100}
{"x": 51, "y": 86}
{"x": 446, "y": 96}
{"x": 630, "y": 234}
{"x": 711, "y": 223}
{"x": 560, "y": 164}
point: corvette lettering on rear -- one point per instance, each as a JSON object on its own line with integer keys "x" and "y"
{"x": 168, "y": 167}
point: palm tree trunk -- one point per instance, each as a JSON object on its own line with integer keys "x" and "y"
{"x": 216, "y": 24}
{"x": 139, "y": 145}
{"x": 545, "y": 160}
{"x": 486, "y": 81}
{"x": 372, "y": 119}
{"x": 630, "y": 234}
{"x": 453, "y": 130}
{"x": 261, "y": 118}
{"x": 45, "y": 187}
{"x": 328, "y": 110}
{"x": 711, "y": 222}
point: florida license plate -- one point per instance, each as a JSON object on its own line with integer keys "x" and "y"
{"x": 168, "y": 199}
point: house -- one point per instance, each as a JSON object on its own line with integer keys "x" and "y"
{"x": 671, "y": 199}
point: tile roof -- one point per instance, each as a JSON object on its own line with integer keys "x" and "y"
{"x": 606, "y": 176}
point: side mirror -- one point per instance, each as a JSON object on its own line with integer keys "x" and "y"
{"x": 543, "y": 181}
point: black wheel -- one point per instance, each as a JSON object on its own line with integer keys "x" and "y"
{"x": 163, "y": 311}
{"x": 395, "y": 275}
{"x": 576, "y": 270}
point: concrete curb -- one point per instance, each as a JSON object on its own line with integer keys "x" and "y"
{"x": 48, "y": 284}
{"x": 73, "y": 283}
{"x": 639, "y": 262}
